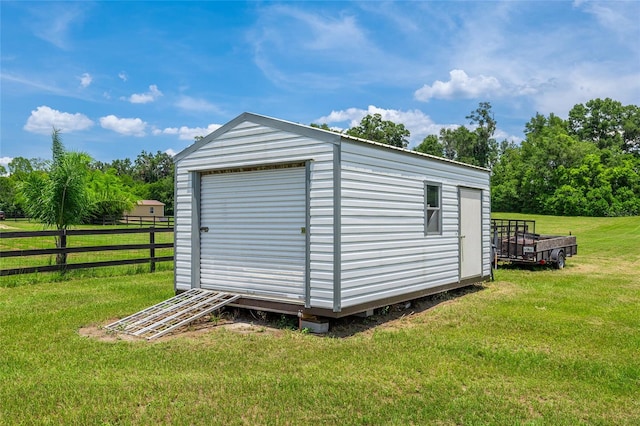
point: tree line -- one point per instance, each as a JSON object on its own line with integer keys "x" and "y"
{"x": 93, "y": 190}
{"x": 585, "y": 165}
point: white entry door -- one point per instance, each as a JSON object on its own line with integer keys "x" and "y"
{"x": 252, "y": 232}
{"x": 470, "y": 233}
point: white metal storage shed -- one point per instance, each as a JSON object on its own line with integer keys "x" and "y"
{"x": 298, "y": 219}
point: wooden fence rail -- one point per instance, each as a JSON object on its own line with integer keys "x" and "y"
{"x": 144, "y": 221}
{"x": 62, "y": 236}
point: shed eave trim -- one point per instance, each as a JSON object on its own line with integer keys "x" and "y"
{"x": 304, "y": 130}
{"x": 348, "y": 138}
{"x": 296, "y": 128}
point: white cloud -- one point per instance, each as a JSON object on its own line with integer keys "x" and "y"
{"x": 322, "y": 38}
{"x": 460, "y": 85}
{"x": 192, "y": 104}
{"x": 124, "y": 126}
{"x": 586, "y": 82}
{"x": 123, "y": 76}
{"x": 53, "y": 22}
{"x": 33, "y": 83}
{"x": 327, "y": 33}
{"x": 4, "y": 161}
{"x": 547, "y": 62}
{"x": 170, "y": 152}
{"x": 620, "y": 18}
{"x": 314, "y": 31}
{"x": 188, "y": 133}
{"x": 43, "y": 119}
{"x": 85, "y": 79}
{"x": 167, "y": 131}
{"x": 501, "y": 135}
{"x": 143, "y": 98}
{"x": 417, "y": 122}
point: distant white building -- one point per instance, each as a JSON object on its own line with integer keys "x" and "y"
{"x": 298, "y": 219}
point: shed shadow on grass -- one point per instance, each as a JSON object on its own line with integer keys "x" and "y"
{"x": 533, "y": 267}
{"x": 387, "y": 316}
{"x": 254, "y": 321}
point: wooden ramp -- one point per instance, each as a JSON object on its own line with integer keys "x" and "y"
{"x": 173, "y": 313}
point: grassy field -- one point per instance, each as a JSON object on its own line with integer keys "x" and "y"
{"x": 536, "y": 346}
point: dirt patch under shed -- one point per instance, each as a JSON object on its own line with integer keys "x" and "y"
{"x": 258, "y": 322}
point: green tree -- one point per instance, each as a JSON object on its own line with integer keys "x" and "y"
{"x": 323, "y": 126}
{"x": 8, "y": 197}
{"x": 546, "y": 153}
{"x": 506, "y": 180}
{"x": 110, "y": 197}
{"x": 458, "y": 144}
{"x": 162, "y": 190}
{"x": 154, "y": 178}
{"x": 567, "y": 201}
{"x": 60, "y": 198}
{"x": 150, "y": 167}
{"x": 631, "y": 129}
{"x": 374, "y": 128}
{"x": 563, "y": 168}
{"x": 608, "y": 124}
{"x": 431, "y": 145}
{"x": 122, "y": 167}
{"x": 477, "y": 147}
{"x": 485, "y": 148}
{"x": 20, "y": 167}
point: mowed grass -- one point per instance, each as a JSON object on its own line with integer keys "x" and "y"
{"x": 536, "y": 346}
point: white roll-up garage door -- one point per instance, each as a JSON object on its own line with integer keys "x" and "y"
{"x": 255, "y": 242}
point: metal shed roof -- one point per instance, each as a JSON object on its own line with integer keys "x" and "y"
{"x": 304, "y": 130}
{"x": 150, "y": 203}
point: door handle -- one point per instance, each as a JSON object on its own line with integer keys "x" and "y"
{"x": 204, "y": 229}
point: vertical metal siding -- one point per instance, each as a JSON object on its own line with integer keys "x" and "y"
{"x": 384, "y": 250}
{"x": 337, "y": 225}
{"x": 486, "y": 232}
{"x": 183, "y": 207}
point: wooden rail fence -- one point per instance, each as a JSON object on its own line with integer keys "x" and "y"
{"x": 64, "y": 250}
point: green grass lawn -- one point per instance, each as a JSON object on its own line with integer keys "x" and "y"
{"x": 536, "y": 346}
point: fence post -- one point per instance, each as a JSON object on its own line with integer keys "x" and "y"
{"x": 152, "y": 249}
{"x": 61, "y": 258}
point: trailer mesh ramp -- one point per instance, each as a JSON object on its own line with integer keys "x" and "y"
{"x": 173, "y": 313}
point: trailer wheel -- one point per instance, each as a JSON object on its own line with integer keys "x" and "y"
{"x": 560, "y": 262}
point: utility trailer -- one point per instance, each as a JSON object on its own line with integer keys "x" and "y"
{"x": 516, "y": 241}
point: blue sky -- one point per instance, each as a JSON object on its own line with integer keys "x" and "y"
{"x": 121, "y": 77}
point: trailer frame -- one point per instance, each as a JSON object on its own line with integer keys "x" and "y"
{"x": 516, "y": 241}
